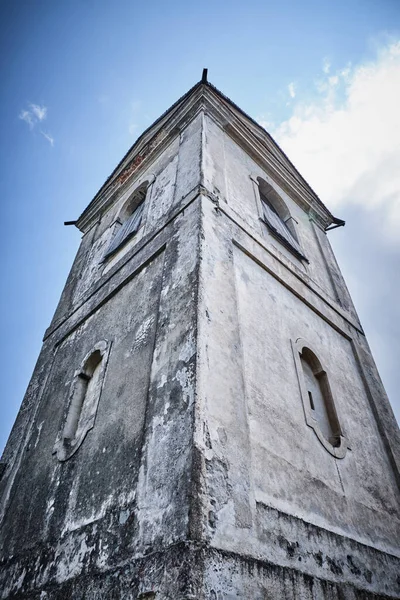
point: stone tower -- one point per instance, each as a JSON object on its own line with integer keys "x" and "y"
{"x": 205, "y": 419}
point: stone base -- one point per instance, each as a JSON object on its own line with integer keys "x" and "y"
{"x": 232, "y": 577}
{"x": 190, "y": 572}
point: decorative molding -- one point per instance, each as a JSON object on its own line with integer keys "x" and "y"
{"x": 267, "y": 154}
{"x": 140, "y": 155}
{"x": 256, "y": 143}
{"x": 66, "y": 446}
{"x": 340, "y": 450}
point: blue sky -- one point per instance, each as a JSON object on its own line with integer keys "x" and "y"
{"x": 82, "y": 79}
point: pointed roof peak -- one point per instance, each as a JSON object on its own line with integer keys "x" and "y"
{"x": 205, "y": 89}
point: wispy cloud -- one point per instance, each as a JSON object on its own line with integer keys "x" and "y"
{"x": 265, "y": 120}
{"x": 34, "y": 114}
{"x": 26, "y": 115}
{"x": 48, "y": 137}
{"x": 291, "y": 88}
{"x": 326, "y": 66}
{"x": 39, "y": 112}
{"x": 345, "y": 141}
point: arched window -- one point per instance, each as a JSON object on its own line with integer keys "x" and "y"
{"x": 83, "y": 401}
{"x": 318, "y": 403}
{"x": 129, "y": 219}
{"x": 278, "y": 218}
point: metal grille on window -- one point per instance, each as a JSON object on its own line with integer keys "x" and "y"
{"x": 127, "y": 229}
{"x": 274, "y": 221}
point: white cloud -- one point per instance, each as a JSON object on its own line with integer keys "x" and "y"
{"x": 48, "y": 137}
{"x": 265, "y": 121}
{"x": 292, "y": 91}
{"x": 33, "y": 115}
{"x": 26, "y": 116}
{"x": 346, "y": 142}
{"x": 39, "y": 112}
{"x": 326, "y": 67}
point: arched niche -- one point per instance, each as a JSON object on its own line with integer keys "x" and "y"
{"x": 318, "y": 402}
{"x": 83, "y": 401}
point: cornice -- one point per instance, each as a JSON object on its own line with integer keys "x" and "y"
{"x": 264, "y": 150}
{"x": 245, "y": 131}
{"x": 140, "y": 157}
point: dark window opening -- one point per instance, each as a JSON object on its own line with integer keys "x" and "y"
{"x": 131, "y": 221}
{"x": 279, "y": 228}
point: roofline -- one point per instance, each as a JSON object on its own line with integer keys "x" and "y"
{"x": 180, "y": 100}
{"x": 137, "y": 141}
{"x": 265, "y": 132}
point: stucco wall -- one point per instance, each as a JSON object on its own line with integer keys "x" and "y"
{"x": 232, "y": 174}
{"x": 263, "y": 465}
{"x": 175, "y": 172}
{"x": 67, "y": 495}
{"x": 126, "y": 490}
{"x": 201, "y": 479}
{"x": 292, "y": 470}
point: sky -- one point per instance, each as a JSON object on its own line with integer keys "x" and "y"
{"x": 81, "y": 79}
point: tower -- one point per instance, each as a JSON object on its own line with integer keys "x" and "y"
{"x": 205, "y": 419}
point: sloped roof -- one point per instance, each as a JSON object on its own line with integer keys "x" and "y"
{"x": 139, "y": 139}
{"x": 262, "y": 133}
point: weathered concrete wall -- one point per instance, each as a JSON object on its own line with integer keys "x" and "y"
{"x": 67, "y": 495}
{"x": 194, "y": 572}
{"x": 175, "y": 173}
{"x": 231, "y": 174}
{"x": 354, "y": 490}
{"x": 234, "y": 577}
{"x": 173, "y": 574}
{"x": 200, "y": 478}
{"x": 126, "y": 491}
{"x": 262, "y": 465}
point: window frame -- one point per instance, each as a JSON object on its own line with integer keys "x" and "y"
{"x": 65, "y": 445}
{"x": 289, "y": 241}
{"x": 339, "y": 450}
{"x": 128, "y": 197}
{"x": 127, "y": 227}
